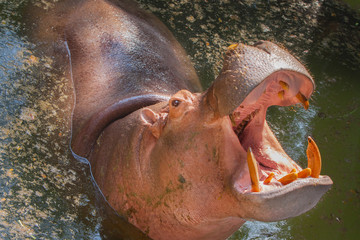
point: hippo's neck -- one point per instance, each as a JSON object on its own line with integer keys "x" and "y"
{"x": 210, "y": 229}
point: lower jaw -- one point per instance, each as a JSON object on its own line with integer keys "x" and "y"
{"x": 282, "y": 202}
{"x": 271, "y": 159}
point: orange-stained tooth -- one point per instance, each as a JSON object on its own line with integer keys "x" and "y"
{"x": 232, "y": 119}
{"x": 253, "y": 170}
{"x": 288, "y": 178}
{"x": 269, "y": 178}
{"x": 281, "y": 94}
{"x": 304, "y": 173}
{"x": 284, "y": 85}
{"x": 303, "y": 100}
{"x": 314, "y": 158}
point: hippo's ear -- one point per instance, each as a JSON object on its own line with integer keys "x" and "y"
{"x": 152, "y": 120}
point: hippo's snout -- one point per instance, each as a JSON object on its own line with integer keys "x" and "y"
{"x": 272, "y": 186}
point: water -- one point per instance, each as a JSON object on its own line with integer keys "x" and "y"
{"x": 336, "y": 128}
{"x": 46, "y": 194}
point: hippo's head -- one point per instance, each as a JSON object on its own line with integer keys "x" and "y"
{"x": 192, "y": 155}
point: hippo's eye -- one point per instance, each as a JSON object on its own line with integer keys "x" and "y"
{"x": 175, "y": 103}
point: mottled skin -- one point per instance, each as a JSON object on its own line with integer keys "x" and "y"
{"x": 166, "y": 157}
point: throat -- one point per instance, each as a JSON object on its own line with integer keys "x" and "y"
{"x": 249, "y": 128}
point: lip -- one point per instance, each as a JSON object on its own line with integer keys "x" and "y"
{"x": 284, "y": 202}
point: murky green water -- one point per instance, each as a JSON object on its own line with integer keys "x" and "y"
{"x": 46, "y": 194}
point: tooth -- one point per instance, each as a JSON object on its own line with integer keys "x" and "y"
{"x": 288, "y": 178}
{"x": 314, "y": 158}
{"x": 281, "y": 94}
{"x": 269, "y": 178}
{"x": 284, "y": 85}
{"x": 304, "y": 173}
{"x": 303, "y": 100}
{"x": 232, "y": 119}
{"x": 253, "y": 170}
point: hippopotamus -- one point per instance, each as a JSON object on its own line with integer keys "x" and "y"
{"x": 176, "y": 161}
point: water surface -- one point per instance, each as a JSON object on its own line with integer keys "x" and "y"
{"x": 46, "y": 194}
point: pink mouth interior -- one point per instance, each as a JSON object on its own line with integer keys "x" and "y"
{"x": 250, "y": 125}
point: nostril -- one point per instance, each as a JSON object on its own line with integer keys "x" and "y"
{"x": 258, "y": 43}
{"x": 263, "y": 45}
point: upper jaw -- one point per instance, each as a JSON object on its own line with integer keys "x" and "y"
{"x": 248, "y": 67}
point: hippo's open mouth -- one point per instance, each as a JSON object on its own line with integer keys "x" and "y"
{"x": 271, "y": 170}
{"x": 253, "y": 132}
{"x": 252, "y": 79}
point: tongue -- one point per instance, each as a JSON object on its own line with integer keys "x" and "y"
{"x": 313, "y": 170}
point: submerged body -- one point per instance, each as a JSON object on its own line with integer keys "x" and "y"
{"x": 170, "y": 159}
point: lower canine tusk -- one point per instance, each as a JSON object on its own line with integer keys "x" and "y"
{"x": 314, "y": 158}
{"x": 253, "y": 170}
{"x": 303, "y": 100}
